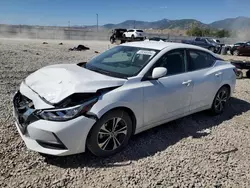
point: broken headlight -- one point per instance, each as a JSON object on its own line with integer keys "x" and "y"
{"x": 69, "y": 113}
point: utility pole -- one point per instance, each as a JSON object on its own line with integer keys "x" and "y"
{"x": 69, "y": 29}
{"x": 96, "y": 22}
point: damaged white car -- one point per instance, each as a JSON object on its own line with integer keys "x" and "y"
{"x": 65, "y": 109}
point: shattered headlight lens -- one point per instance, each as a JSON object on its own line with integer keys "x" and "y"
{"x": 65, "y": 114}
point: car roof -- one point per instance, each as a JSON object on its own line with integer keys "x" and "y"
{"x": 156, "y": 45}
{"x": 161, "y": 45}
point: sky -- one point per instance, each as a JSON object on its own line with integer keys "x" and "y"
{"x": 83, "y": 12}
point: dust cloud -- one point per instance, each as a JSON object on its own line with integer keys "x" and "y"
{"x": 51, "y": 32}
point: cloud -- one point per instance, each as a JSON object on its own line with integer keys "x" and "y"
{"x": 163, "y": 7}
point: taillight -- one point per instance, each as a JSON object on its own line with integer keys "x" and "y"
{"x": 235, "y": 71}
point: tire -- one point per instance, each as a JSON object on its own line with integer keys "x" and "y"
{"x": 47, "y": 156}
{"x": 212, "y": 49}
{"x": 239, "y": 74}
{"x": 220, "y": 101}
{"x": 236, "y": 53}
{"x": 112, "y": 40}
{"x": 132, "y": 37}
{"x": 104, "y": 142}
{"x": 248, "y": 74}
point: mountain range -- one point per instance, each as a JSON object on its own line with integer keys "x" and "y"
{"x": 239, "y": 23}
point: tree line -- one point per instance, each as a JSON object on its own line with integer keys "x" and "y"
{"x": 207, "y": 32}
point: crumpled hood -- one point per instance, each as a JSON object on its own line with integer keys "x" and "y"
{"x": 56, "y": 82}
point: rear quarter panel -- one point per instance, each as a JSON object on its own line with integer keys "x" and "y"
{"x": 228, "y": 76}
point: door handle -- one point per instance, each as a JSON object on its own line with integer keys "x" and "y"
{"x": 187, "y": 83}
{"x": 218, "y": 74}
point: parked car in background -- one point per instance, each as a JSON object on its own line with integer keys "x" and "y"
{"x": 134, "y": 33}
{"x": 205, "y": 43}
{"x": 241, "y": 49}
{"x": 237, "y": 44}
{"x": 156, "y": 39}
{"x": 117, "y": 34}
{"x": 64, "y": 109}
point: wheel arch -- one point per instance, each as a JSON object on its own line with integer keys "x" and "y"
{"x": 228, "y": 87}
{"x": 223, "y": 85}
{"x": 130, "y": 113}
{"x": 126, "y": 109}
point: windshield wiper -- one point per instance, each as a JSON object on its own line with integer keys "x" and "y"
{"x": 112, "y": 74}
{"x": 100, "y": 71}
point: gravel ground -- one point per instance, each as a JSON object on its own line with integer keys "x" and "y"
{"x": 196, "y": 151}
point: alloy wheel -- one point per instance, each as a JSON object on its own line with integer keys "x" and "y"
{"x": 112, "y": 134}
{"x": 220, "y": 100}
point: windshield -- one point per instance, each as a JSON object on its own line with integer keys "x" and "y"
{"x": 121, "y": 61}
{"x": 238, "y": 44}
{"x": 212, "y": 41}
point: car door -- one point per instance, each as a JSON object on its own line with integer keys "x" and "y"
{"x": 247, "y": 48}
{"x": 130, "y": 32}
{"x": 204, "y": 43}
{"x": 200, "y": 42}
{"x": 205, "y": 78}
{"x": 168, "y": 97}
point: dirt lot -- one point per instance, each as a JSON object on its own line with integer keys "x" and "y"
{"x": 196, "y": 151}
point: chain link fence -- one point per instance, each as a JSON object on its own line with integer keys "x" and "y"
{"x": 67, "y": 33}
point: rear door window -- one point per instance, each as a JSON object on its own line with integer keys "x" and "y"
{"x": 199, "y": 60}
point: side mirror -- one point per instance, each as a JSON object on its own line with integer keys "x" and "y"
{"x": 159, "y": 72}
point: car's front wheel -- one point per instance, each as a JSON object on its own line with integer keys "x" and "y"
{"x": 110, "y": 134}
{"x": 220, "y": 100}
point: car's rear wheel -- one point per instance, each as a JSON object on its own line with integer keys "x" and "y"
{"x": 110, "y": 134}
{"x": 220, "y": 100}
{"x": 236, "y": 52}
{"x": 239, "y": 74}
{"x": 248, "y": 74}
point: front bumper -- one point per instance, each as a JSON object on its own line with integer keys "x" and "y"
{"x": 54, "y": 138}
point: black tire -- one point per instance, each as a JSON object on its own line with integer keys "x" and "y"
{"x": 220, "y": 100}
{"x": 239, "y": 74}
{"x": 248, "y": 74}
{"x": 236, "y": 53}
{"x": 103, "y": 141}
{"x": 132, "y": 37}
{"x": 212, "y": 49}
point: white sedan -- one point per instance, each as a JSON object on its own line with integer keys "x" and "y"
{"x": 65, "y": 109}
